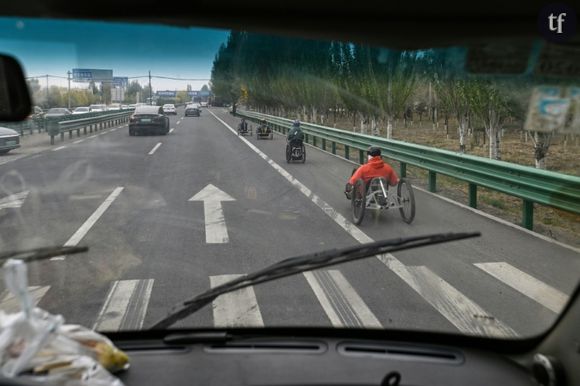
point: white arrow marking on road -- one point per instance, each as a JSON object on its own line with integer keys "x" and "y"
{"x": 216, "y": 231}
{"x": 14, "y": 200}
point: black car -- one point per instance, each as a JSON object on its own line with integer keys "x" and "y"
{"x": 192, "y": 111}
{"x": 147, "y": 120}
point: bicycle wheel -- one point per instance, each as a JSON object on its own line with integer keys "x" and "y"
{"x": 406, "y": 200}
{"x": 288, "y": 153}
{"x": 358, "y": 202}
{"x": 303, "y": 154}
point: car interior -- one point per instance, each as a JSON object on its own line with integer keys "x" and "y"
{"x": 329, "y": 356}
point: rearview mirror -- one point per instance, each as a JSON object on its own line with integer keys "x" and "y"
{"x": 15, "y": 104}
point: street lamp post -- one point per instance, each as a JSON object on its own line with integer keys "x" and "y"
{"x": 68, "y": 78}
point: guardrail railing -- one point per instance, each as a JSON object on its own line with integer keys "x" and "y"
{"x": 90, "y": 124}
{"x": 532, "y": 185}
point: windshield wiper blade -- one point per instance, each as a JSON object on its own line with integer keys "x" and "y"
{"x": 309, "y": 262}
{"x": 41, "y": 253}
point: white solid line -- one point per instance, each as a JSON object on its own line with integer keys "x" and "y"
{"x": 178, "y": 122}
{"x": 343, "y": 306}
{"x": 535, "y": 289}
{"x": 125, "y": 307}
{"x": 10, "y": 304}
{"x": 79, "y": 141}
{"x": 114, "y": 129}
{"x": 171, "y": 131}
{"x": 355, "y": 232}
{"x": 88, "y": 224}
{"x": 93, "y": 136}
{"x": 59, "y": 148}
{"x": 235, "y": 309}
{"x": 155, "y": 148}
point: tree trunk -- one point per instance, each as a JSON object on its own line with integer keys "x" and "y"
{"x": 314, "y": 115}
{"x": 446, "y": 124}
{"x": 354, "y": 122}
{"x": 389, "y": 127}
{"x": 362, "y": 125}
{"x": 494, "y": 140}
{"x": 462, "y": 130}
{"x": 374, "y": 127}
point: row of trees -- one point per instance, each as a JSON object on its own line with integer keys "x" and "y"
{"x": 376, "y": 88}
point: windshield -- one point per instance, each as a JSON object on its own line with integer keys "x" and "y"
{"x": 173, "y": 204}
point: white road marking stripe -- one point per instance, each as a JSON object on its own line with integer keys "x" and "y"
{"x": 114, "y": 129}
{"x": 343, "y": 306}
{"x": 535, "y": 289}
{"x": 235, "y": 309}
{"x": 462, "y": 312}
{"x": 399, "y": 268}
{"x": 79, "y": 141}
{"x": 59, "y": 148}
{"x": 155, "y": 148}
{"x": 126, "y": 306}
{"x": 10, "y": 304}
{"x": 13, "y": 201}
{"x": 178, "y": 122}
{"x": 92, "y": 136}
{"x": 171, "y": 131}
{"x": 88, "y": 224}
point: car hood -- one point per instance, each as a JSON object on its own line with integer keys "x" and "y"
{"x": 6, "y": 131}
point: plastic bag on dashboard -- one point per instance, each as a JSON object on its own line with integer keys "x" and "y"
{"x": 38, "y": 346}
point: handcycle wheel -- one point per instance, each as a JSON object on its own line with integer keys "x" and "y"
{"x": 358, "y": 201}
{"x": 288, "y": 153}
{"x": 406, "y": 200}
{"x": 303, "y": 154}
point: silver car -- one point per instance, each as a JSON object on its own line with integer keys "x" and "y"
{"x": 9, "y": 140}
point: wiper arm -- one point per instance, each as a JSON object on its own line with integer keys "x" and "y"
{"x": 295, "y": 265}
{"x": 41, "y": 253}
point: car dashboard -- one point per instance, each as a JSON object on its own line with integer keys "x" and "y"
{"x": 316, "y": 361}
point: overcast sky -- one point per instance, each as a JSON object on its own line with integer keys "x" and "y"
{"x": 54, "y": 47}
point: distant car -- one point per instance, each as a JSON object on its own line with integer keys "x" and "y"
{"x": 9, "y": 140}
{"x": 81, "y": 110}
{"x": 114, "y": 106}
{"x": 97, "y": 108}
{"x": 125, "y": 107}
{"x": 192, "y": 111}
{"x": 203, "y": 104}
{"x": 148, "y": 119}
{"x": 169, "y": 109}
{"x": 57, "y": 112}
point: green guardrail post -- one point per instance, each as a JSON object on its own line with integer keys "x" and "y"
{"x": 333, "y": 147}
{"x": 403, "y": 169}
{"x": 324, "y": 144}
{"x": 432, "y": 181}
{"x": 314, "y": 140}
{"x": 346, "y": 152}
{"x": 473, "y": 195}
{"x": 361, "y": 157}
{"x": 70, "y": 134}
{"x": 53, "y": 130}
{"x": 306, "y": 138}
{"x": 528, "y": 214}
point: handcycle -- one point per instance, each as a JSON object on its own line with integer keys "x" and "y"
{"x": 244, "y": 130}
{"x": 264, "y": 132}
{"x": 376, "y": 195}
{"x": 295, "y": 151}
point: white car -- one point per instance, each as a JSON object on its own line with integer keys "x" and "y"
{"x": 169, "y": 109}
{"x": 203, "y": 104}
{"x": 96, "y": 108}
{"x": 81, "y": 110}
{"x": 114, "y": 106}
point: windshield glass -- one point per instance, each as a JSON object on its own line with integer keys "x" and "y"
{"x": 172, "y": 205}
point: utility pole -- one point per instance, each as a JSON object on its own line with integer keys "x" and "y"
{"x": 150, "y": 90}
{"x": 68, "y": 78}
{"x": 47, "y": 91}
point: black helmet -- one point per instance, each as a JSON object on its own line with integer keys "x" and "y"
{"x": 264, "y": 121}
{"x": 374, "y": 151}
{"x": 296, "y": 123}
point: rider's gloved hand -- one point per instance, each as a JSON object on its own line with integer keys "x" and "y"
{"x": 348, "y": 190}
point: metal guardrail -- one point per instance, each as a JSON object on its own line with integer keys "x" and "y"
{"x": 532, "y": 185}
{"x": 90, "y": 124}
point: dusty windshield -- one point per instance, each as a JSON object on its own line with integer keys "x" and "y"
{"x": 260, "y": 160}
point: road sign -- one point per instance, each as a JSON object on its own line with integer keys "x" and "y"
{"x": 120, "y": 81}
{"x": 216, "y": 231}
{"x": 193, "y": 93}
{"x": 91, "y": 74}
{"x": 166, "y": 93}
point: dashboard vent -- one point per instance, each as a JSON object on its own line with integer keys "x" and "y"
{"x": 268, "y": 347}
{"x": 401, "y": 352}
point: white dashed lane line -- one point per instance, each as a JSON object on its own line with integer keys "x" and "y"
{"x": 155, "y": 148}
{"x": 171, "y": 131}
{"x": 59, "y": 148}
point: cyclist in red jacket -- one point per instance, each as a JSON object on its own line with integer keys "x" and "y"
{"x": 375, "y": 167}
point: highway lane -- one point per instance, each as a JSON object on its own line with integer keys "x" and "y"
{"x": 149, "y": 250}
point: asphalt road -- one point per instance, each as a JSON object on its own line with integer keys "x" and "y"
{"x": 135, "y": 201}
